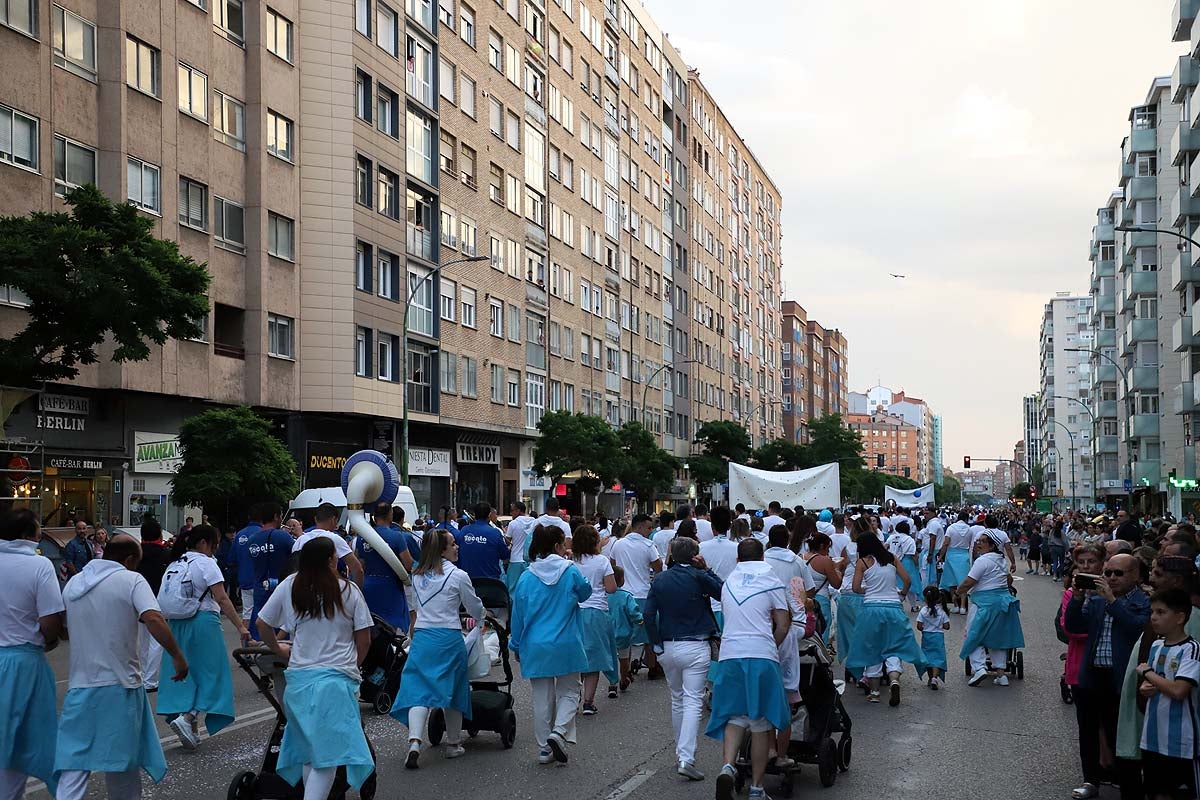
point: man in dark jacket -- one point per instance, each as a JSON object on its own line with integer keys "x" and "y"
{"x": 1113, "y": 616}
{"x": 155, "y": 558}
{"x": 481, "y": 546}
{"x": 1128, "y": 529}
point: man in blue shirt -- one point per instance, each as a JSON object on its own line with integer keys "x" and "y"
{"x": 239, "y": 560}
{"x": 78, "y": 551}
{"x": 270, "y": 551}
{"x": 481, "y": 546}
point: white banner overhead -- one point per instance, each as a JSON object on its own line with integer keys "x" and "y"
{"x": 819, "y": 487}
{"x": 909, "y": 498}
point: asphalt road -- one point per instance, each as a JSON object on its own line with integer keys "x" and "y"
{"x": 992, "y": 742}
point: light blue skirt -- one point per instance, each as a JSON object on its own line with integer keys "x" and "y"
{"x": 598, "y": 643}
{"x": 996, "y": 623}
{"x": 639, "y": 633}
{"x": 209, "y": 684}
{"x": 513, "y": 574}
{"x": 882, "y": 631}
{"x": 958, "y": 564}
{"x": 931, "y": 573}
{"x": 916, "y": 585}
{"x": 849, "y": 606}
{"x": 826, "y": 611}
{"x": 748, "y": 687}
{"x": 108, "y": 729}
{"x": 28, "y": 713}
{"x": 435, "y": 675}
{"x": 933, "y": 652}
{"x": 324, "y": 726}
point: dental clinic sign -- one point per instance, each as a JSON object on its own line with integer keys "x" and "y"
{"x": 156, "y": 452}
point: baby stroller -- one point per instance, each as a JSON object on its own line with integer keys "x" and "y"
{"x": 819, "y": 718}
{"x": 1015, "y": 666}
{"x": 265, "y": 669}
{"x": 382, "y": 667}
{"x": 491, "y": 699}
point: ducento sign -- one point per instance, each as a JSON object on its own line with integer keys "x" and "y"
{"x": 478, "y": 454}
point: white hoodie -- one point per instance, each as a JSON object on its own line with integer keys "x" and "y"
{"x": 749, "y": 596}
{"x": 105, "y": 602}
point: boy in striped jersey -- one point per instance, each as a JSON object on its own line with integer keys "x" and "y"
{"x": 1168, "y": 681}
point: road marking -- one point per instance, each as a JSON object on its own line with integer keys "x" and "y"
{"x": 626, "y": 788}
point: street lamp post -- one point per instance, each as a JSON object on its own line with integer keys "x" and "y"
{"x": 412, "y": 290}
{"x": 655, "y": 374}
{"x": 1095, "y": 430}
{"x": 1128, "y": 403}
{"x": 1071, "y": 438}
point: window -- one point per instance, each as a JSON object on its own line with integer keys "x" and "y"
{"x": 514, "y": 387}
{"x": 362, "y": 17}
{"x": 449, "y": 298}
{"x": 20, "y": 14}
{"x": 446, "y": 79}
{"x": 470, "y": 377}
{"x": 387, "y": 111}
{"x": 420, "y": 293}
{"x": 362, "y": 352}
{"x": 279, "y": 336}
{"x": 227, "y": 17}
{"x": 466, "y": 95}
{"x": 74, "y": 42}
{"x": 495, "y": 51}
{"x": 141, "y": 66}
{"x": 466, "y": 23}
{"x": 495, "y": 117}
{"x": 386, "y": 29}
{"x": 229, "y": 121}
{"x": 449, "y": 371}
{"x": 535, "y": 400}
{"x": 229, "y": 224}
{"x": 362, "y": 267}
{"x": 496, "y": 318}
{"x": 466, "y": 165}
{"x": 193, "y": 204}
{"x": 144, "y": 185}
{"x": 389, "y": 275}
{"x": 18, "y": 137}
{"x": 496, "y": 184}
{"x": 193, "y": 91}
{"x": 279, "y": 35}
{"x": 12, "y": 296}
{"x": 446, "y": 12}
{"x": 389, "y": 346}
{"x": 363, "y": 95}
{"x": 420, "y": 146}
{"x": 362, "y": 178}
{"x": 514, "y": 323}
{"x": 467, "y": 239}
{"x": 419, "y": 75}
{"x": 446, "y": 153}
{"x": 74, "y": 164}
{"x": 389, "y": 193}
{"x": 497, "y": 383}
{"x": 280, "y": 236}
{"x": 512, "y": 131}
{"x": 467, "y": 298}
{"x": 279, "y": 136}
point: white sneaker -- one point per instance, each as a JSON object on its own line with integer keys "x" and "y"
{"x": 977, "y": 677}
{"x": 183, "y": 729}
{"x": 545, "y": 756}
{"x": 1001, "y": 681}
{"x": 962, "y": 612}
{"x": 558, "y": 747}
{"x": 455, "y": 750}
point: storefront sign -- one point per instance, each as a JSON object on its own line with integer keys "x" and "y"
{"x": 532, "y": 482}
{"x": 64, "y": 404}
{"x": 478, "y": 454}
{"x": 74, "y": 463}
{"x": 323, "y": 467}
{"x": 156, "y": 452}
{"x": 429, "y": 462}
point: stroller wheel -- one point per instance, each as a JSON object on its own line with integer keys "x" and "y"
{"x": 844, "y": 752}
{"x": 785, "y": 784}
{"x": 1065, "y": 691}
{"x": 508, "y": 729}
{"x": 827, "y": 762}
{"x": 383, "y": 703}
{"x": 437, "y": 726}
{"x": 1020, "y": 666}
{"x": 739, "y": 782}
{"x": 242, "y": 786}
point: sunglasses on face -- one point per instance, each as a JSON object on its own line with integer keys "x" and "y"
{"x": 1114, "y": 573}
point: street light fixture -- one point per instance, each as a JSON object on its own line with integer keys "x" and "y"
{"x": 1071, "y": 437}
{"x": 411, "y": 293}
{"x": 1095, "y": 423}
{"x": 1128, "y": 402}
{"x": 654, "y": 375}
{"x": 1148, "y": 229}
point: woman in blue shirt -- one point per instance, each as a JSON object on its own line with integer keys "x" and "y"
{"x": 547, "y": 638}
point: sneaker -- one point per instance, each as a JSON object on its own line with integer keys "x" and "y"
{"x": 625, "y": 683}
{"x": 1001, "y": 681}
{"x": 938, "y": 683}
{"x": 894, "y": 694}
{"x": 932, "y": 684}
{"x": 784, "y": 762}
{"x": 1085, "y": 792}
{"x": 455, "y": 750}
{"x": 589, "y": 710}
{"x": 558, "y": 746}
{"x": 758, "y": 793}
{"x": 612, "y": 693}
{"x": 725, "y": 782}
{"x": 690, "y": 772}
{"x": 873, "y": 697}
{"x": 962, "y": 612}
{"x": 545, "y": 756}
{"x": 414, "y": 756}
{"x": 184, "y": 730}
{"x": 977, "y": 677}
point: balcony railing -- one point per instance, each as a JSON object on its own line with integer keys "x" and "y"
{"x": 420, "y": 242}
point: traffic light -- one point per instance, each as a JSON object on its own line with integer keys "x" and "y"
{"x": 966, "y": 462}
{"x": 1033, "y": 493}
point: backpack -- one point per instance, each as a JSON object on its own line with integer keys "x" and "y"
{"x": 177, "y": 598}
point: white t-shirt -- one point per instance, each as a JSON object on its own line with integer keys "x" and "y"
{"x": 901, "y": 545}
{"x": 976, "y": 531}
{"x": 720, "y": 555}
{"x": 551, "y": 519}
{"x": 841, "y": 542}
{"x": 320, "y": 642}
{"x": 340, "y": 546}
{"x": 933, "y": 620}
{"x": 937, "y": 530}
{"x": 28, "y": 592}
{"x": 204, "y": 573}
{"x": 848, "y": 577}
{"x": 518, "y": 532}
{"x": 662, "y": 541}
{"x": 749, "y": 596}
{"x": 770, "y": 521}
{"x": 959, "y": 534}
{"x": 635, "y": 553}
{"x": 104, "y": 623}
{"x": 990, "y": 571}
{"x": 595, "y": 569}
{"x": 704, "y": 531}
{"x": 879, "y": 583}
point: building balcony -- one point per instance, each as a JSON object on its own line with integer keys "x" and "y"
{"x": 1143, "y": 140}
{"x": 1139, "y": 330}
{"x": 1144, "y": 379}
{"x": 1141, "y": 188}
{"x": 1183, "y": 400}
{"x": 1124, "y": 212}
{"x": 1183, "y": 207}
{"x": 1183, "y": 268}
{"x": 1128, "y": 168}
{"x": 1106, "y": 337}
{"x": 1104, "y": 268}
{"x": 1105, "y": 303}
{"x": 1142, "y": 282}
{"x": 1138, "y": 239}
{"x": 1107, "y": 409}
{"x": 1183, "y": 79}
{"x": 1144, "y": 426}
{"x": 1147, "y": 473}
{"x": 1107, "y": 444}
{"x": 1182, "y": 336}
{"x": 1184, "y": 143}
{"x": 1182, "y": 17}
{"x": 1103, "y": 233}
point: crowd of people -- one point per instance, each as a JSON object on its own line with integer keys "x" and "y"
{"x": 717, "y": 602}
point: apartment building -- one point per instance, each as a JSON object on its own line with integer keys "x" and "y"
{"x": 1016, "y": 470}
{"x": 889, "y": 443}
{"x": 913, "y": 410}
{"x": 1065, "y": 399}
{"x": 1031, "y": 416}
{"x": 815, "y": 365}
{"x": 556, "y": 250}
{"x": 936, "y": 469}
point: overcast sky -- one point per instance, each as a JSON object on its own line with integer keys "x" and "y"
{"x": 964, "y": 145}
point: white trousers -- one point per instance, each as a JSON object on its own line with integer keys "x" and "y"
{"x": 418, "y": 724}
{"x": 150, "y": 655}
{"x": 12, "y": 784}
{"x": 247, "y": 604}
{"x": 318, "y": 782}
{"x": 892, "y": 664}
{"x": 555, "y": 701}
{"x": 73, "y": 784}
{"x": 686, "y": 667}
{"x": 979, "y": 659}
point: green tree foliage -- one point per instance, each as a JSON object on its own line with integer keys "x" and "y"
{"x": 830, "y": 440}
{"x": 1020, "y": 491}
{"x": 230, "y": 460}
{"x": 645, "y": 468}
{"x": 577, "y": 443}
{"x": 93, "y": 274}
{"x": 723, "y": 442}
{"x": 948, "y": 492}
{"x": 780, "y": 455}
{"x": 1037, "y": 479}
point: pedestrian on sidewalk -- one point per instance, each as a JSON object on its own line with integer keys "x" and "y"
{"x": 107, "y": 725}
{"x": 994, "y": 619}
{"x": 31, "y": 625}
{"x": 748, "y": 692}
{"x": 883, "y": 634}
{"x": 546, "y": 636}
{"x": 680, "y": 626}
{"x": 598, "y": 642}
{"x": 330, "y": 627}
{"x": 155, "y": 558}
{"x": 193, "y": 598}
{"x": 435, "y": 675}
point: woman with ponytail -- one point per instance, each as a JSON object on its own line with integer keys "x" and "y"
{"x": 883, "y": 635}
{"x": 330, "y": 629}
{"x": 192, "y": 597}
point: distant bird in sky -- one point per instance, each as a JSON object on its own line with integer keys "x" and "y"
{"x": 894, "y": 275}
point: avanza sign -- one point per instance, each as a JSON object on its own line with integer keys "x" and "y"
{"x": 156, "y": 452}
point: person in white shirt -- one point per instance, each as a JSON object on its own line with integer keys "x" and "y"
{"x": 106, "y": 700}
{"x": 31, "y": 620}
{"x": 595, "y": 622}
{"x": 519, "y": 533}
{"x": 665, "y": 533}
{"x": 772, "y": 517}
{"x": 640, "y": 559}
{"x": 903, "y": 548}
{"x": 994, "y": 621}
{"x": 330, "y": 629}
{"x": 934, "y": 535}
{"x": 551, "y": 517}
{"x": 720, "y": 552}
{"x": 326, "y": 528}
{"x": 825, "y": 522}
{"x": 748, "y": 691}
{"x": 704, "y": 529}
{"x": 955, "y": 557}
{"x": 883, "y": 635}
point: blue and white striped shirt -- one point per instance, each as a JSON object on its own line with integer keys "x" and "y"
{"x": 1170, "y": 728}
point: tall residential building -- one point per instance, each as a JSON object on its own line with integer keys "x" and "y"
{"x": 1106, "y": 376}
{"x": 621, "y": 222}
{"x": 915, "y": 411}
{"x": 936, "y": 469}
{"x": 1032, "y": 419}
{"x": 814, "y": 371}
{"x": 1064, "y": 398}
{"x": 889, "y": 443}
{"x": 1017, "y": 467}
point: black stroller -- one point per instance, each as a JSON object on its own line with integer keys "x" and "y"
{"x": 491, "y": 699}
{"x": 265, "y": 669}
{"x": 382, "y": 667}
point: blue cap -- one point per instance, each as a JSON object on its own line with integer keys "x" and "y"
{"x": 825, "y": 516}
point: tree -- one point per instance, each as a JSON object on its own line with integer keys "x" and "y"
{"x": 1037, "y": 477}
{"x": 948, "y": 492}
{"x": 645, "y": 468}
{"x": 231, "y": 460}
{"x": 577, "y": 443}
{"x": 92, "y": 274}
{"x": 1020, "y": 491}
{"x": 780, "y": 455}
{"x": 723, "y": 442}
{"x": 829, "y": 440}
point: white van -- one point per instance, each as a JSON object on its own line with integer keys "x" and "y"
{"x": 304, "y": 507}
